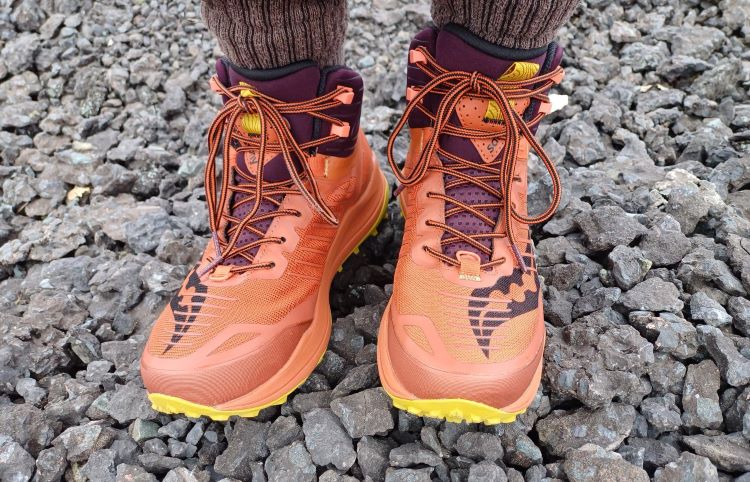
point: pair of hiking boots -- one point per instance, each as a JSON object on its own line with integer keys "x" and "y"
{"x": 463, "y": 335}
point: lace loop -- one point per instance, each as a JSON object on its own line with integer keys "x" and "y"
{"x": 271, "y": 134}
{"x": 452, "y": 87}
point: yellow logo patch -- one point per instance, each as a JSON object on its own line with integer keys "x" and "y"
{"x": 517, "y": 71}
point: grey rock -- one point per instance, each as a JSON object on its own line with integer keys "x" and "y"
{"x": 365, "y": 413}
{"x": 100, "y": 466}
{"x": 629, "y": 266}
{"x": 290, "y": 463}
{"x": 182, "y": 474}
{"x": 662, "y": 413}
{"x": 606, "y": 427}
{"x": 429, "y": 437}
{"x": 596, "y": 300}
{"x": 734, "y": 368}
{"x": 358, "y": 378}
{"x": 81, "y": 441}
{"x": 480, "y": 446}
{"x": 133, "y": 473}
{"x": 176, "y": 429}
{"x": 30, "y": 391}
{"x": 521, "y": 451}
{"x": 642, "y": 57}
{"x": 18, "y": 54}
{"x": 595, "y": 362}
{"x": 703, "y": 308}
{"x": 373, "y": 457}
{"x": 486, "y": 472}
{"x": 700, "y": 399}
{"x": 326, "y": 439}
{"x": 246, "y": 444}
{"x": 730, "y": 453}
{"x": 655, "y": 452}
{"x": 195, "y": 434}
{"x": 50, "y": 465}
{"x": 608, "y": 226}
{"x": 15, "y": 463}
{"x": 583, "y": 142}
{"x": 653, "y": 295}
{"x": 408, "y": 475}
{"x": 142, "y": 430}
{"x": 130, "y": 402}
{"x": 283, "y": 431}
{"x": 708, "y": 84}
{"x": 739, "y": 309}
{"x": 665, "y": 231}
{"x": 413, "y": 454}
{"x": 593, "y": 463}
{"x": 158, "y": 464}
{"x": 688, "y": 468}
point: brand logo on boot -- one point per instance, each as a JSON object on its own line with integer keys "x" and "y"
{"x": 185, "y": 315}
{"x": 520, "y": 288}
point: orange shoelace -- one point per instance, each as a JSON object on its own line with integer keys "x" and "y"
{"x": 453, "y": 86}
{"x": 273, "y": 136}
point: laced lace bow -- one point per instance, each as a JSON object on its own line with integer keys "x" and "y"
{"x": 452, "y": 86}
{"x": 252, "y": 122}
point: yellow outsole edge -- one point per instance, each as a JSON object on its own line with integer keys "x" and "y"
{"x": 175, "y": 405}
{"x": 456, "y": 410}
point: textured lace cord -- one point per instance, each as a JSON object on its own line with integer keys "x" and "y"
{"x": 242, "y": 100}
{"x": 452, "y": 86}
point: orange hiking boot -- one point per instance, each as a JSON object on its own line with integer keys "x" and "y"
{"x": 300, "y": 190}
{"x": 463, "y": 335}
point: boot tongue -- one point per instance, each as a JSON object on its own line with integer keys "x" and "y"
{"x": 457, "y": 49}
{"x": 294, "y": 83}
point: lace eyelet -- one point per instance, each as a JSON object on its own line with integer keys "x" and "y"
{"x": 283, "y": 239}
{"x": 272, "y": 265}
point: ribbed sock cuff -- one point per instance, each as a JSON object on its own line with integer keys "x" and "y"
{"x": 519, "y": 24}
{"x": 266, "y": 34}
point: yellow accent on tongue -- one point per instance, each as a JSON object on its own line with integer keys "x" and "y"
{"x": 517, "y": 72}
{"x": 250, "y": 123}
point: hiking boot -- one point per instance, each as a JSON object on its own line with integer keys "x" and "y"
{"x": 463, "y": 336}
{"x": 300, "y": 190}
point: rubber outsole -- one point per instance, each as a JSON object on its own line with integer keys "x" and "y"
{"x": 178, "y": 406}
{"x": 456, "y": 410}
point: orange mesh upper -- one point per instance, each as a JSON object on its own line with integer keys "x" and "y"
{"x": 234, "y": 341}
{"x": 446, "y": 305}
{"x": 416, "y": 334}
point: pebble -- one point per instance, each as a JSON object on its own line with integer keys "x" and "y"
{"x": 104, "y": 109}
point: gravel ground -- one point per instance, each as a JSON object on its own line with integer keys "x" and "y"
{"x": 103, "y": 110}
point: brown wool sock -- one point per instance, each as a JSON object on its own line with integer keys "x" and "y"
{"x": 520, "y": 24}
{"x": 265, "y": 34}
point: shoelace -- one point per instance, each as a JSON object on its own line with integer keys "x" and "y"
{"x": 246, "y": 106}
{"x": 453, "y": 86}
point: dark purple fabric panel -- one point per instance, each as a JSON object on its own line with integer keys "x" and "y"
{"x": 349, "y": 113}
{"x": 296, "y": 87}
{"x": 415, "y": 77}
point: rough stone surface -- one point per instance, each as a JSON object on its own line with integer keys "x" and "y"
{"x": 593, "y": 463}
{"x": 104, "y": 111}
{"x": 326, "y": 439}
{"x": 607, "y": 428}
